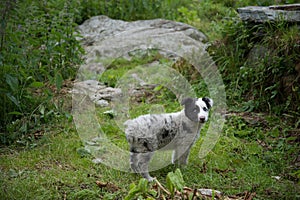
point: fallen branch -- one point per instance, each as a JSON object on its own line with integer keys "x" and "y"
{"x": 161, "y": 187}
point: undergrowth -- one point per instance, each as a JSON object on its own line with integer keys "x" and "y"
{"x": 259, "y": 64}
{"x": 38, "y": 49}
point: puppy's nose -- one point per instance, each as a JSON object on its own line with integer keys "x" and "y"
{"x": 202, "y": 119}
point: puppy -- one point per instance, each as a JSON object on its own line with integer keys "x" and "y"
{"x": 173, "y": 131}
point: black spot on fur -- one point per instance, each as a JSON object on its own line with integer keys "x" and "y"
{"x": 133, "y": 150}
{"x": 166, "y": 122}
{"x": 165, "y": 134}
{"x": 165, "y": 137}
{"x": 146, "y": 145}
{"x": 207, "y": 102}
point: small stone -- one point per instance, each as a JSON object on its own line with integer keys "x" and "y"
{"x": 209, "y": 192}
{"x": 276, "y": 177}
{"x": 97, "y": 160}
{"x": 102, "y": 103}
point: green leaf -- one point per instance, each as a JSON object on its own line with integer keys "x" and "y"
{"x": 15, "y": 113}
{"x": 131, "y": 186}
{"x": 143, "y": 185}
{"x": 58, "y": 81}
{"x": 170, "y": 185}
{"x": 132, "y": 192}
{"x": 36, "y": 84}
{"x": 153, "y": 193}
{"x": 12, "y": 81}
{"x": 158, "y": 88}
{"x": 42, "y": 109}
{"x": 175, "y": 181}
{"x": 13, "y": 99}
{"x": 141, "y": 188}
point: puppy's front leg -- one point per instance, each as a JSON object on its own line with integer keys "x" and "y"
{"x": 144, "y": 160}
{"x": 134, "y": 162}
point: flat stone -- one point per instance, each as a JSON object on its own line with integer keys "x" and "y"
{"x": 96, "y": 91}
{"x": 260, "y": 14}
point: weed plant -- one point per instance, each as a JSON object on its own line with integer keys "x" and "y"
{"x": 38, "y": 48}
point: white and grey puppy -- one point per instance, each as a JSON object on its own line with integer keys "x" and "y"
{"x": 173, "y": 131}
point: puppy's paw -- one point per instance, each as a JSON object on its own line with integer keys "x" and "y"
{"x": 151, "y": 179}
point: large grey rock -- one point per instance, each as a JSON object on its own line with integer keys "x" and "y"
{"x": 100, "y": 27}
{"x": 260, "y": 14}
{"x": 105, "y": 39}
{"x": 108, "y": 38}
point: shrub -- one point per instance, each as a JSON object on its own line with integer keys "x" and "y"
{"x": 260, "y": 65}
{"x": 130, "y": 10}
{"x": 36, "y": 48}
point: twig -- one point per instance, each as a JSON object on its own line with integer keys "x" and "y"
{"x": 161, "y": 187}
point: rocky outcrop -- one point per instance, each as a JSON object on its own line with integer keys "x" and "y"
{"x": 260, "y": 14}
{"x": 105, "y": 39}
{"x": 96, "y": 91}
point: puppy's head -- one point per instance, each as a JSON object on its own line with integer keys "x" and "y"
{"x": 196, "y": 109}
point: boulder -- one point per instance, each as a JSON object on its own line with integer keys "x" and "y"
{"x": 103, "y": 37}
{"x": 260, "y": 14}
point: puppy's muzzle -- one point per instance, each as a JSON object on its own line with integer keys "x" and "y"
{"x": 202, "y": 119}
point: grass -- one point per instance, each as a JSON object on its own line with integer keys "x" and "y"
{"x": 56, "y": 168}
{"x": 53, "y": 170}
{"x": 252, "y": 151}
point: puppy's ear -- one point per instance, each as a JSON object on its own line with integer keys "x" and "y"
{"x": 187, "y": 101}
{"x": 190, "y": 107}
{"x": 208, "y": 101}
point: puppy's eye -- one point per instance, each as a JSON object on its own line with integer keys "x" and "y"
{"x": 195, "y": 110}
{"x": 205, "y": 109}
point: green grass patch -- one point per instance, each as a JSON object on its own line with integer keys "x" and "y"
{"x": 55, "y": 168}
